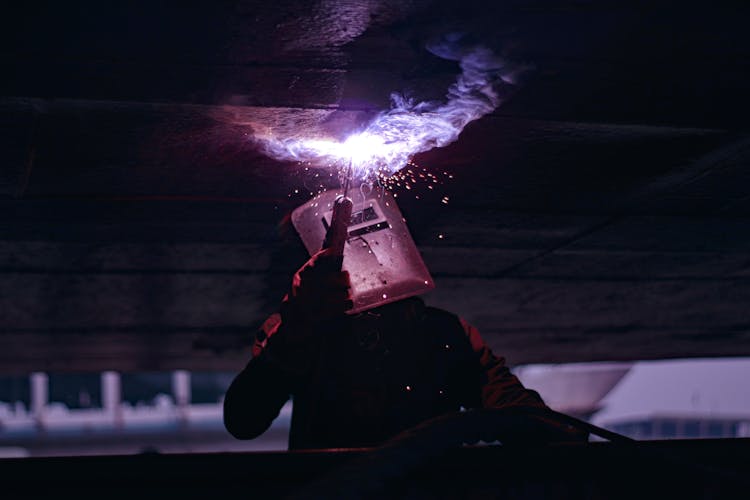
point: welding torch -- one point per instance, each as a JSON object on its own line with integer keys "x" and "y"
{"x": 340, "y": 218}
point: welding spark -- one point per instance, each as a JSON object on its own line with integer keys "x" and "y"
{"x": 387, "y": 144}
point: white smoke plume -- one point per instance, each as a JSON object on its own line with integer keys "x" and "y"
{"x": 388, "y": 142}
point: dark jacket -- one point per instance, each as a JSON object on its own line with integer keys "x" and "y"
{"x": 358, "y": 380}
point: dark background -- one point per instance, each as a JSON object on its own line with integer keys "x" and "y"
{"x": 600, "y": 213}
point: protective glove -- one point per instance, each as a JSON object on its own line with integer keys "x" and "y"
{"x": 320, "y": 290}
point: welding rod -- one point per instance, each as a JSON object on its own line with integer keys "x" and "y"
{"x": 338, "y": 231}
{"x": 348, "y": 180}
{"x": 340, "y": 219}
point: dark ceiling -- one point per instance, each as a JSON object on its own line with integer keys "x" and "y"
{"x": 602, "y": 212}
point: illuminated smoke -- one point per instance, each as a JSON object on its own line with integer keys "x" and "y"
{"x": 387, "y": 143}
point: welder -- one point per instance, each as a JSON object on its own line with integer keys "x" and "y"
{"x": 357, "y": 379}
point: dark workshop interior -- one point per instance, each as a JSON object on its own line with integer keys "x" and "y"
{"x": 596, "y": 222}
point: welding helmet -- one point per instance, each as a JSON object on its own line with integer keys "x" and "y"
{"x": 383, "y": 262}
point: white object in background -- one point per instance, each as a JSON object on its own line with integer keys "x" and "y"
{"x": 39, "y": 398}
{"x": 112, "y": 397}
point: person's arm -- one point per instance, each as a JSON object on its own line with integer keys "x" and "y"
{"x": 257, "y": 394}
{"x": 283, "y": 351}
{"x": 501, "y": 389}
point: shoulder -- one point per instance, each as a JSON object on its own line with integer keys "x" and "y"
{"x": 447, "y": 324}
{"x": 445, "y": 321}
{"x": 441, "y": 318}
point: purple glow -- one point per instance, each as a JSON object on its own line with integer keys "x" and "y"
{"x": 388, "y": 142}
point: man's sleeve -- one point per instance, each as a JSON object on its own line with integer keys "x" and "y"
{"x": 501, "y": 389}
{"x": 257, "y": 394}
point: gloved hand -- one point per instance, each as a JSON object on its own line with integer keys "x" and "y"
{"x": 320, "y": 290}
